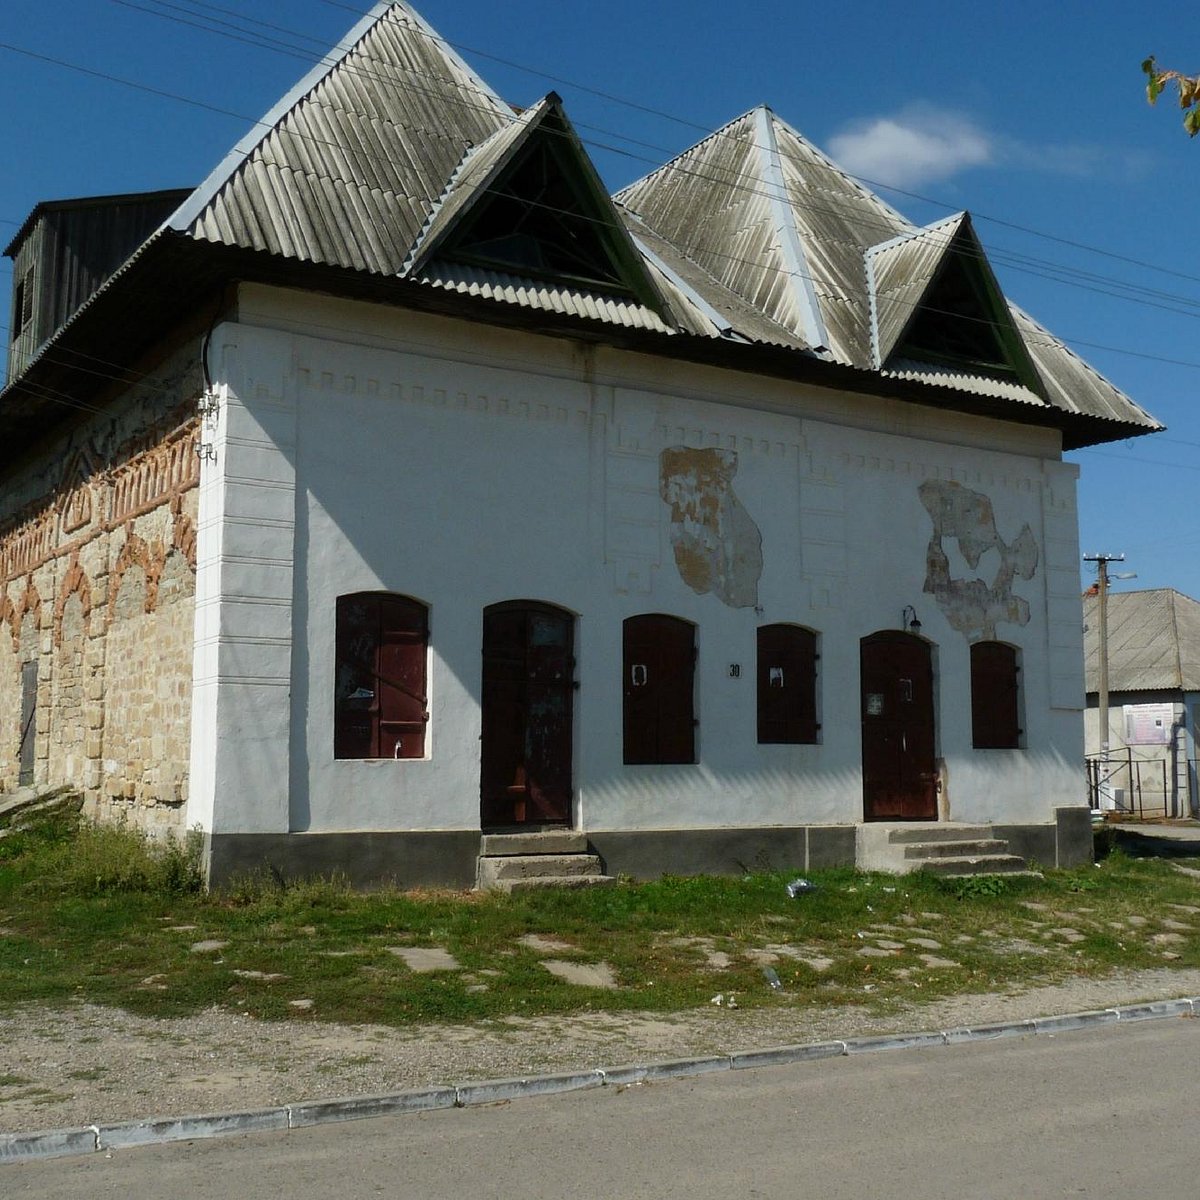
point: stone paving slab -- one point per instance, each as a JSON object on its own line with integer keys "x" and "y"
{"x": 424, "y": 959}
{"x": 597, "y": 975}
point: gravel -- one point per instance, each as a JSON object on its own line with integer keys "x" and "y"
{"x": 86, "y": 1065}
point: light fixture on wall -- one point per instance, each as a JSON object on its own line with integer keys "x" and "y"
{"x": 910, "y": 620}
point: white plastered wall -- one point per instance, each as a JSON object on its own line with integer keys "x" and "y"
{"x": 466, "y": 466}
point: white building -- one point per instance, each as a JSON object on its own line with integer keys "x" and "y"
{"x": 711, "y": 521}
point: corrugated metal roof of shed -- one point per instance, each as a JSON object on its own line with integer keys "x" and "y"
{"x": 1153, "y": 641}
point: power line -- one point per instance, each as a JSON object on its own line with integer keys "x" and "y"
{"x": 886, "y": 228}
{"x": 846, "y": 295}
{"x": 1013, "y": 259}
{"x": 1049, "y": 271}
{"x": 685, "y": 122}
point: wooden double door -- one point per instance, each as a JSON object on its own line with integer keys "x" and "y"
{"x": 527, "y": 703}
{"x": 899, "y": 765}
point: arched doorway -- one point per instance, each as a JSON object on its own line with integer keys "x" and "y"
{"x": 899, "y": 769}
{"x": 527, "y": 703}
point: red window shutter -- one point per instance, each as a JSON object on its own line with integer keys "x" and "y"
{"x": 380, "y": 705}
{"x": 994, "y": 697}
{"x": 659, "y": 664}
{"x": 787, "y": 685}
{"x": 402, "y": 700}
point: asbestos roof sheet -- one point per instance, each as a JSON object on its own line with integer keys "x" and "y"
{"x": 473, "y": 175}
{"x": 899, "y": 273}
{"x": 715, "y": 205}
{"x": 702, "y": 304}
{"x": 347, "y": 169}
{"x": 529, "y": 293}
{"x": 978, "y": 385}
{"x": 1073, "y": 386}
{"x": 752, "y": 238}
{"x": 1153, "y": 641}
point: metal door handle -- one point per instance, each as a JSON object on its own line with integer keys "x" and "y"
{"x": 638, "y": 675}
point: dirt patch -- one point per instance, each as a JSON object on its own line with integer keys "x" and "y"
{"x": 84, "y": 1065}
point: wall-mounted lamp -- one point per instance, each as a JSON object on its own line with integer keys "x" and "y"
{"x": 910, "y": 619}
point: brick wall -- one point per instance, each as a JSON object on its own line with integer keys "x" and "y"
{"x": 97, "y": 583}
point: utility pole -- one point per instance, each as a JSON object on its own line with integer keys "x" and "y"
{"x": 1102, "y": 561}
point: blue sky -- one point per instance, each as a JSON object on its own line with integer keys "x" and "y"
{"x": 1030, "y": 115}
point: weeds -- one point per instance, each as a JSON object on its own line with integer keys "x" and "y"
{"x": 106, "y": 916}
{"x": 976, "y": 887}
{"x": 101, "y": 860}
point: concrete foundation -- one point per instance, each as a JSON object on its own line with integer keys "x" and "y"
{"x": 449, "y": 858}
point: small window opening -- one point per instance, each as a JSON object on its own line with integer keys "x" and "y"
{"x": 995, "y": 697}
{"x": 380, "y": 696}
{"x": 659, "y": 664}
{"x": 787, "y": 685}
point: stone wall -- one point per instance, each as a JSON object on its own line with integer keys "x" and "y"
{"x": 97, "y": 583}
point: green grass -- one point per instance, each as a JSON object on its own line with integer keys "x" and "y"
{"x": 99, "y": 915}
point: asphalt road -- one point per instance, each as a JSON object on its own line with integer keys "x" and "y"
{"x": 1106, "y": 1112}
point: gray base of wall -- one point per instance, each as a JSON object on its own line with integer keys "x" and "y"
{"x": 368, "y": 860}
{"x": 650, "y": 854}
{"x": 448, "y": 859}
{"x": 1065, "y": 843}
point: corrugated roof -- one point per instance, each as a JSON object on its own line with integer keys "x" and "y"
{"x": 474, "y": 174}
{"x": 978, "y": 385}
{"x": 899, "y": 272}
{"x": 713, "y": 202}
{"x": 528, "y": 293}
{"x": 718, "y": 309}
{"x": 752, "y": 238}
{"x": 717, "y": 205}
{"x": 347, "y": 169}
{"x": 1073, "y": 386}
{"x": 1153, "y": 641}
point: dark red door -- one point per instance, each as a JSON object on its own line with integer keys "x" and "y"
{"x": 660, "y": 669}
{"x": 899, "y": 771}
{"x": 528, "y": 691}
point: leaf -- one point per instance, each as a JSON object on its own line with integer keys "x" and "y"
{"x": 1192, "y": 122}
{"x": 1154, "y": 88}
{"x": 1148, "y": 65}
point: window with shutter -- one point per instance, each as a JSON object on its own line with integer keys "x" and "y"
{"x": 995, "y": 697}
{"x": 380, "y": 702}
{"x": 787, "y": 685}
{"x": 659, "y": 664}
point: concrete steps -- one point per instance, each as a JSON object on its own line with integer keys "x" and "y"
{"x": 942, "y": 848}
{"x": 523, "y": 860}
{"x": 984, "y": 864}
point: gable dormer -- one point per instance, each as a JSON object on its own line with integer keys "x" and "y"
{"x": 529, "y": 203}
{"x": 935, "y": 300}
{"x": 65, "y": 250}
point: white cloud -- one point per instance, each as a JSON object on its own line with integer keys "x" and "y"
{"x": 920, "y": 144}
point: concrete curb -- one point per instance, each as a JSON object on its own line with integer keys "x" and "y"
{"x": 60, "y": 1143}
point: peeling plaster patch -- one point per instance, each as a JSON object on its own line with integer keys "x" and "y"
{"x": 718, "y": 547}
{"x": 972, "y": 606}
